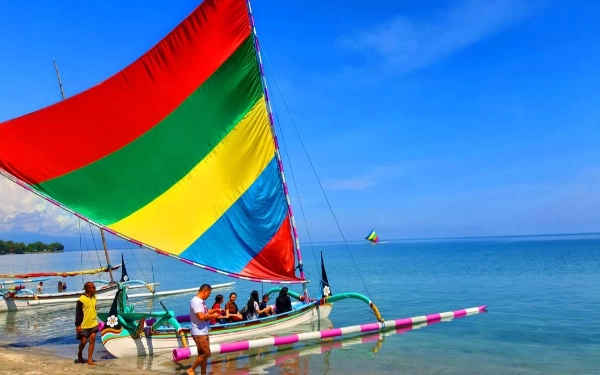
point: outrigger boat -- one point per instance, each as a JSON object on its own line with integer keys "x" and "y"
{"x": 13, "y": 299}
{"x": 176, "y": 153}
{"x": 187, "y": 164}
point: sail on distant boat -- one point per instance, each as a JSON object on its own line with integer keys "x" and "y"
{"x": 372, "y": 237}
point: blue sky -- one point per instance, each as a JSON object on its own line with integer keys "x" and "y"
{"x": 422, "y": 119}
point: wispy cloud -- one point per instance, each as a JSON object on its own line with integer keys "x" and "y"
{"x": 402, "y": 44}
{"x": 366, "y": 180}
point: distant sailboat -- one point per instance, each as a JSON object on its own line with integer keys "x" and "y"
{"x": 372, "y": 237}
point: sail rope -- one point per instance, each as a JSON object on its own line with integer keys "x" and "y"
{"x": 137, "y": 262}
{"x": 87, "y": 250}
{"x": 38, "y": 235}
{"x": 289, "y": 162}
{"x": 312, "y": 166}
{"x": 80, "y": 248}
{"x": 95, "y": 246}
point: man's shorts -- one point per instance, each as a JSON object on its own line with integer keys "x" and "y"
{"x": 86, "y": 332}
{"x": 203, "y": 345}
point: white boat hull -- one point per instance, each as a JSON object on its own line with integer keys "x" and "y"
{"x": 102, "y": 295}
{"x": 29, "y": 302}
{"x": 16, "y": 303}
{"x": 148, "y": 345}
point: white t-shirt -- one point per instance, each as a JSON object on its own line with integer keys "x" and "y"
{"x": 254, "y": 315}
{"x": 199, "y": 327}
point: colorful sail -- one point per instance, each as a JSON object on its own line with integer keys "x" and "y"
{"x": 372, "y": 237}
{"x": 175, "y": 151}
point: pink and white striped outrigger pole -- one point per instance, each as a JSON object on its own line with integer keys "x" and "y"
{"x": 399, "y": 324}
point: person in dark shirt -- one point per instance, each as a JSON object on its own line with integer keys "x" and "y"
{"x": 283, "y": 303}
{"x": 266, "y": 310}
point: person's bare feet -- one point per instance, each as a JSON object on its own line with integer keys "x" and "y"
{"x": 80, "y": 360}
{"x": 91, "y": 363}
{"x": 190, "y": 371}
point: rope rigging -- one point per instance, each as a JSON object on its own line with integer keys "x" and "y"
{"x": 312, "y": 167}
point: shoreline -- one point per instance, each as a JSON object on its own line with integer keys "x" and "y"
{"x": 35, "y": 252}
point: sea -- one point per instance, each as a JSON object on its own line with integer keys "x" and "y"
{"x": 542, "y": 293}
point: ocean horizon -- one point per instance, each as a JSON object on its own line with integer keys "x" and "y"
{"x": 114, "y": 243}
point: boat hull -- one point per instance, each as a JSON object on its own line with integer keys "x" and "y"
{"x": 16, "y": 302}
{"x": 122, "y": 344}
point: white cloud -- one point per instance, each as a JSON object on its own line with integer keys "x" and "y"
{"x": 24, "y": 212}
{"x": 403, "y": 44}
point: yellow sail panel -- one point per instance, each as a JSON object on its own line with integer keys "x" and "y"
{"x": 231, "y": 167}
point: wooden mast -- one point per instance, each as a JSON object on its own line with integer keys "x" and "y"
{"x": 106, "y": 254}
{"x": 62, "y": 93}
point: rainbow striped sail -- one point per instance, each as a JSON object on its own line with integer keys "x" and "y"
{"x": 175, "y": 152}
{"x": 372, "y": 237}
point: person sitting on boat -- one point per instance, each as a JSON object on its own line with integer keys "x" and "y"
{"x": 254, "y": 309}
{"x": 267, "y": 310}
{"x": 217, "y": 306}
{"x": 40, "y": 287}
{"x": 60, "y": 286}
{"x": 232, "y": 309}
{"x": 283, "y": 303}
{"x": 64, "y": 286}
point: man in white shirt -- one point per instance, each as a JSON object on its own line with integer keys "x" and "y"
{"x": 200, "y": 318}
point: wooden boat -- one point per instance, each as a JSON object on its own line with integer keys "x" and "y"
{"x": 28, "y": 299}
{"x": 176, "y": 153}
{"x": 14, "y": 299}
{"x": 122, "y": 342}
{"x": 186, "y": 164}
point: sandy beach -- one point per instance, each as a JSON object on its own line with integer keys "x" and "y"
{"x": 35, "y": 360}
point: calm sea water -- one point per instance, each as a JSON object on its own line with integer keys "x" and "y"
{"x": 543, "y": 295}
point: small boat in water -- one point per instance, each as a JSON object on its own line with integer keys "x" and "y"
{"x": 372, "y": 237}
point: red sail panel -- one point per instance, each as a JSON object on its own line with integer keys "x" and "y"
{"x": 103, "y": 119}
{"x": 277, "y": 255}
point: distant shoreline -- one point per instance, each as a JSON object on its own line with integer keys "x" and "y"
{"x": 34, "y": 252}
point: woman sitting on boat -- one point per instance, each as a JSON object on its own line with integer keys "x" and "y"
{"x": 217, "y": 306}
{"x": 254, "y": 309}
{"x": 283, "y": 303}
{"x": 232, "y": 309}
{"x": 267, "y": 310}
